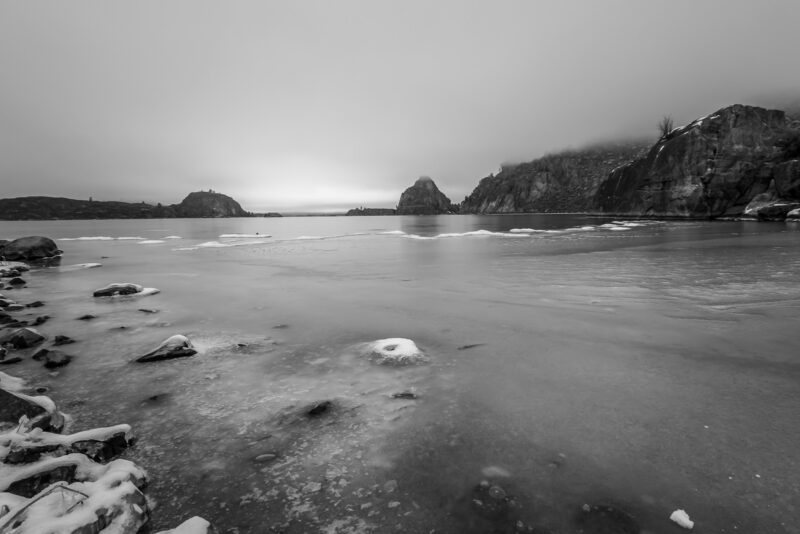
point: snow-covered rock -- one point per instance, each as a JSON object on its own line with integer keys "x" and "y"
{"x": 123, "y": 289}
{"x": 177, "y": 346}
{"x": 106, "y": 500}
{"x": 395, "y": 351}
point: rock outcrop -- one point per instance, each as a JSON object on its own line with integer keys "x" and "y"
{"x": 424, "y": 198}
{"x": 31, "y": 248}
{"x": 209, "y": 204}
{"x": 558, "y": 183}
{"x": 714, "y": 166}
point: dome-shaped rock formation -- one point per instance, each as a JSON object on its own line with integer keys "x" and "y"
{"x": 424, "y": 198}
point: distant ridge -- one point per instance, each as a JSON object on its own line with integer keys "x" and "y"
{"x": 199, "y": 204}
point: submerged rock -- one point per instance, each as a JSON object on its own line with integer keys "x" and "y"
{"x": 53, "y": 358}
{"x": 62, "y": 340}
{"x": 22, "y": 338}
{"x": 17, "y": 281}
{"x": 319, "y": 408}
{"x": 41, "y": 320}
{"x": 177, "y": 346}
{"x": 603, "y": 518}
{"x": 87, "y": 317}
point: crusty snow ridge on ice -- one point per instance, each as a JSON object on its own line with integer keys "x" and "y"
{"x": 67, "y": 483}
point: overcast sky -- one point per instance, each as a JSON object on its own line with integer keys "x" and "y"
{"x": 320, "y": 105}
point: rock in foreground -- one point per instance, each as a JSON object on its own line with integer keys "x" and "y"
{"x": 32, "y": 248}
{"x": 177, "y": 346}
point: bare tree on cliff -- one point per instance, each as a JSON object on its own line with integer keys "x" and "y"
{"x": 665, "y": 126}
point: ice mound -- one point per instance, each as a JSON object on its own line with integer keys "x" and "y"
{"x": 682, "y": 518}
{"x": 395, "y": 351}
{"x": 195, "y": 525}
{"x": 172, "y": 237}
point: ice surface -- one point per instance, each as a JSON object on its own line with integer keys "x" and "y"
{"x": 239, "y": 236}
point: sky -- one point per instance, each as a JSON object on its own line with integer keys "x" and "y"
{"x": 325, "y": 105}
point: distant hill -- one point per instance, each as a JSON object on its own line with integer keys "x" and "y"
{"x": 198, "y": 204}
{"x": 372, "y": 211}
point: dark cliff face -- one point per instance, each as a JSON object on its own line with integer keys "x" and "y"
{"x": 711, "y": 167}
{"x": 563, "y": 182}
{"x": 209, "y": 204}
{"x": 424, "y": 198}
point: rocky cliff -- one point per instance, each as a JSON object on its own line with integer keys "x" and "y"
{"x": 562, "y": 182}
{"x": 424, "y": 198}
{"x": 714, "y": 166}
{"x": 199, "y": 204}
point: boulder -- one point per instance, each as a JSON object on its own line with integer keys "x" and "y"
{"x": 40, "y": 320}
{"x": 22, "y": 338}
{"x": 40, "y": 413}
{"x": 35, "y": 304}
{"x": 15, "y": 307}
{"x": 793, "y": 215}
{"x": 17, "y": 281}
{"x": 33, "y": 248}
{"x": 177, "y": 346}
{"x": 112, "y": 290}
{"x": 424, "y": 198}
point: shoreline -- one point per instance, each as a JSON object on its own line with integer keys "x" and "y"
{"x": 42, "y": 465}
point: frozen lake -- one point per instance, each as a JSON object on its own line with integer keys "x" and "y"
{"x": 645, "y": 366}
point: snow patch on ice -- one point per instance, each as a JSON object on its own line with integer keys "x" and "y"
{"x": 172, "y": 237}
{"x": 11, "y": 383}
{"x": 682, "y": 518}
{"x": 150, "y": 242}
{"x": 195, "y": 525}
